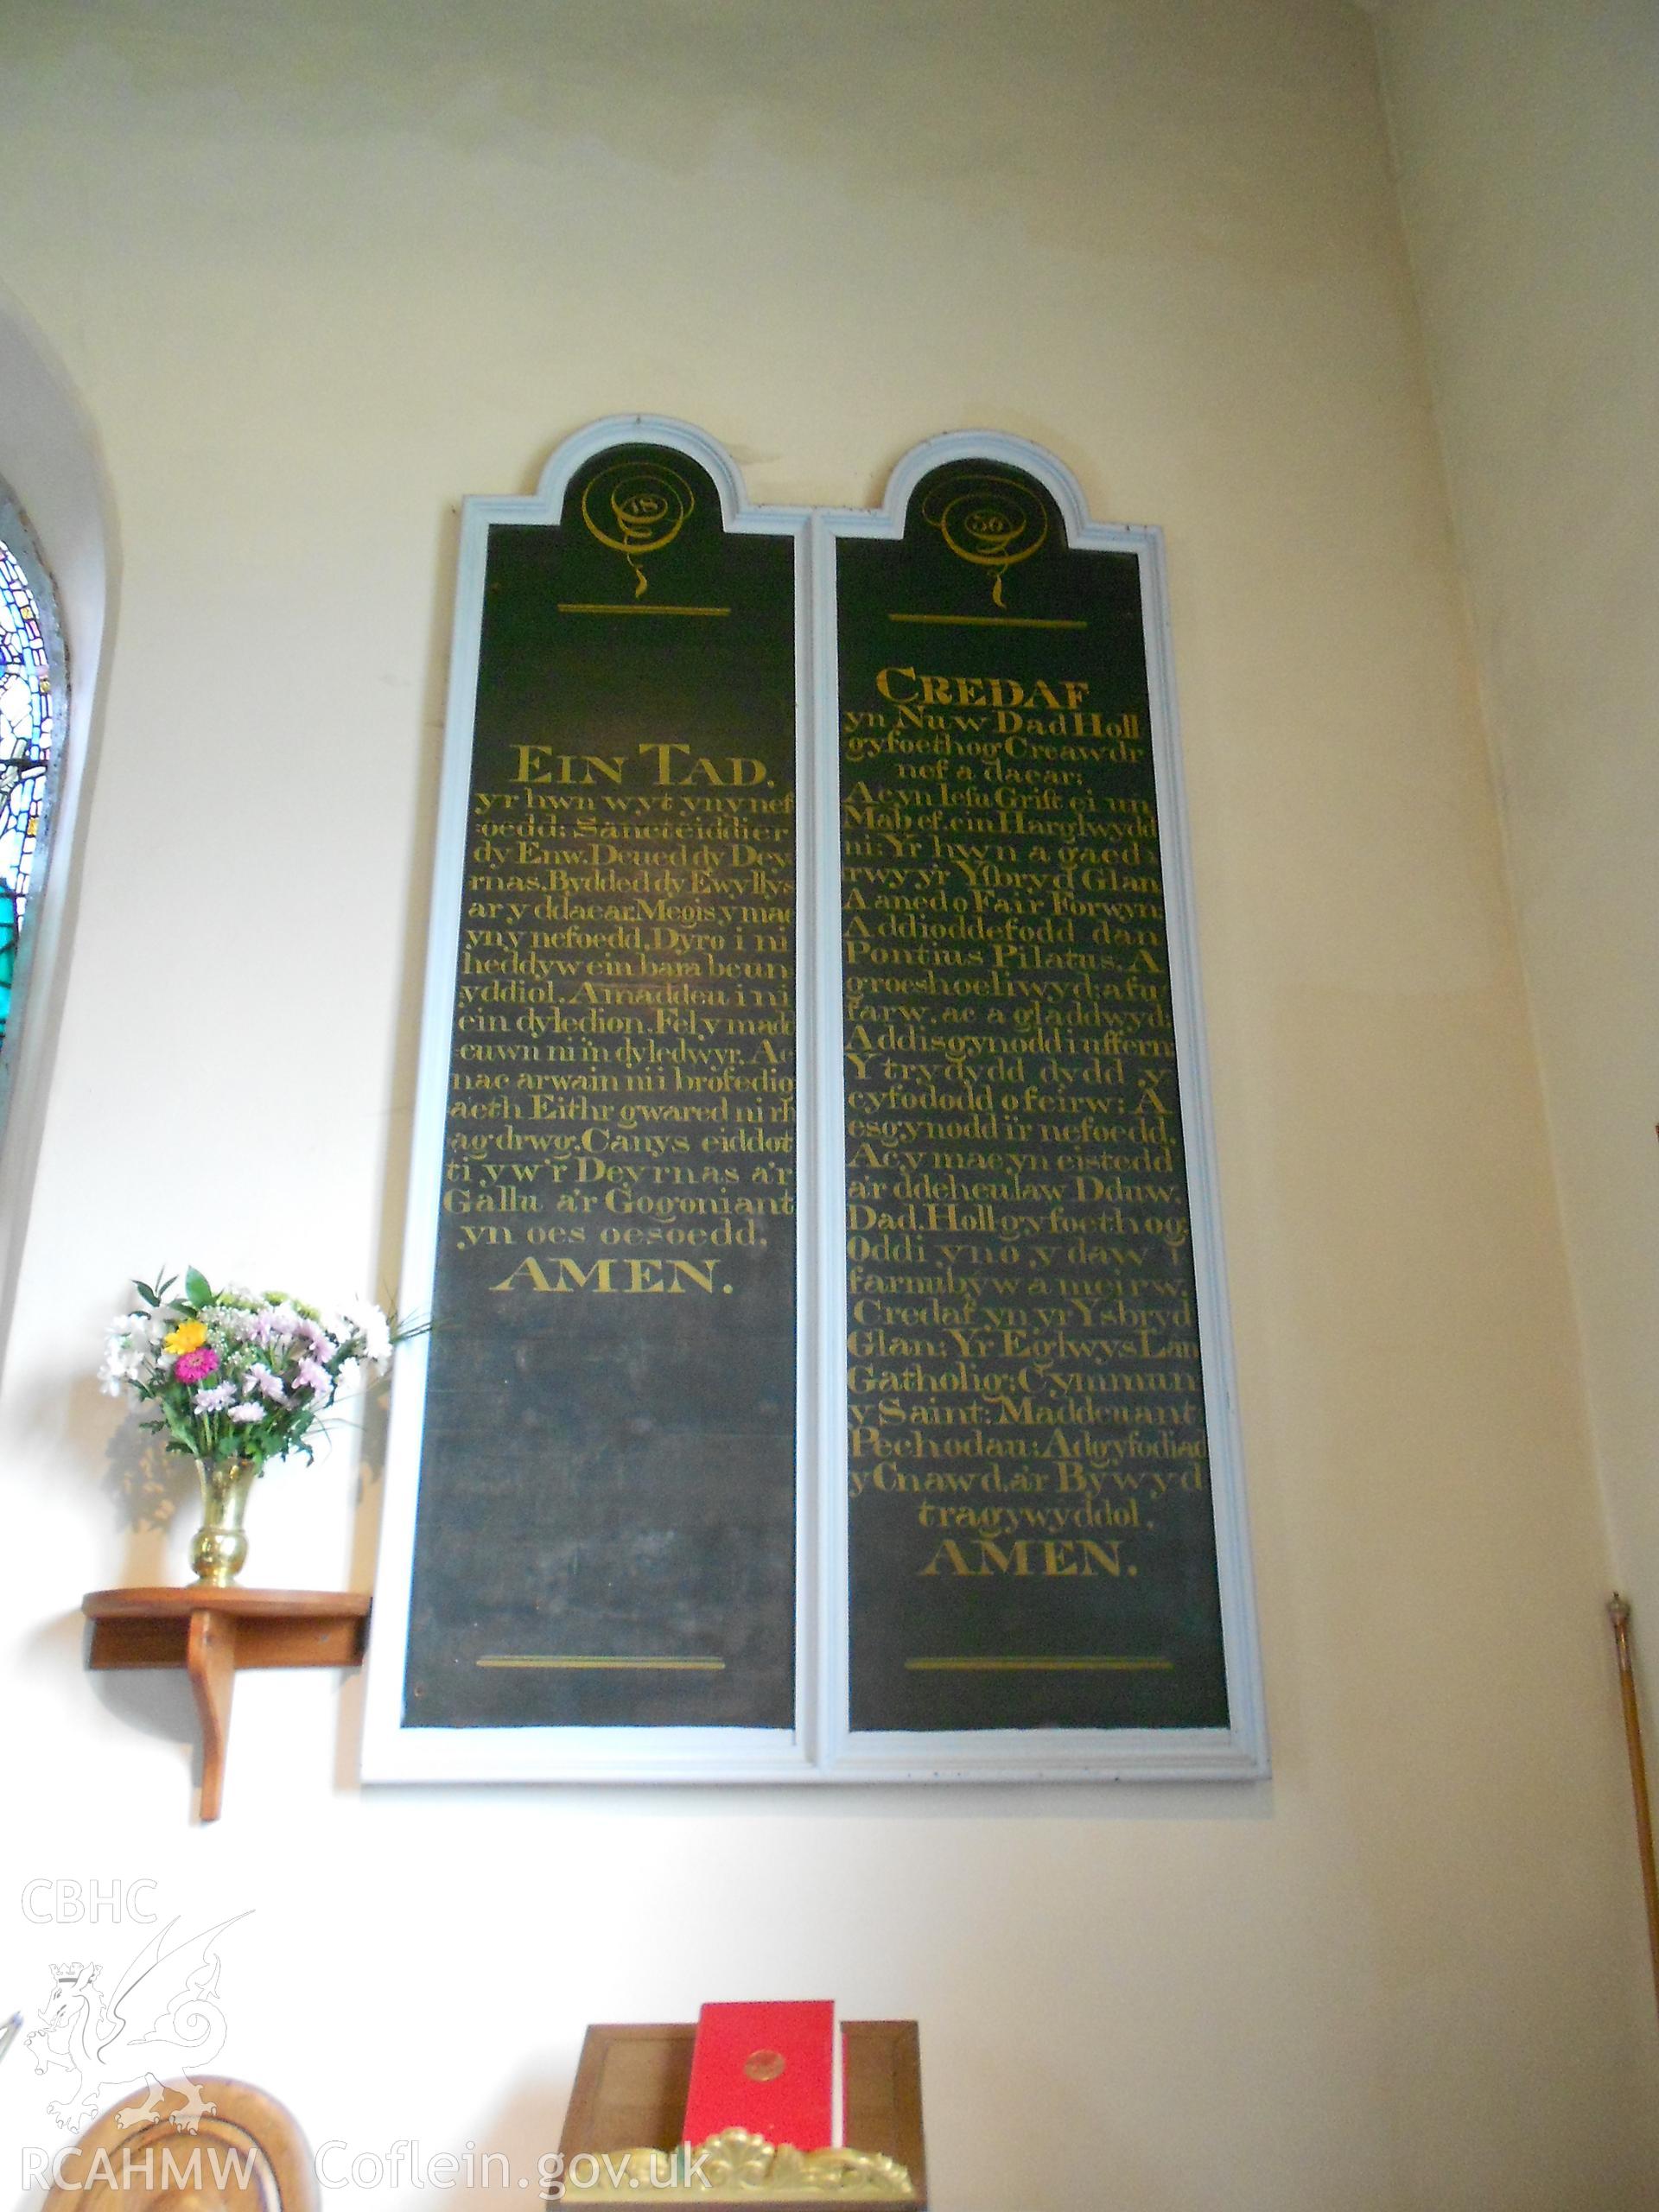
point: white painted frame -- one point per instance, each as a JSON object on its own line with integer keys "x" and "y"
{"x": 822, "y": 1746}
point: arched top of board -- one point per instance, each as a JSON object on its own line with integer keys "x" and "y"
{"x": 997, "y": 449}
{"x": 619, "y": 432}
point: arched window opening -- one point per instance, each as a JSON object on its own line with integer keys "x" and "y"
{"x": 32, "y": 703}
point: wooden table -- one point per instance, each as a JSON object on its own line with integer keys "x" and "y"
{"x": 631, "y": 2083}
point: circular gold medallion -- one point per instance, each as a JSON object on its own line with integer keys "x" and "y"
{"x": 994, "y": 522}
{"x": 764, "y": 2065}
{"x": 637, "y": 507}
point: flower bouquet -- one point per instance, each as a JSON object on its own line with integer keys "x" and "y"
{"x": 234, "y": 1378}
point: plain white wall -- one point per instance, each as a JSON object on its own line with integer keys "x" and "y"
{"x": 1529, "y": 166}
{"x": 318, "y": 272}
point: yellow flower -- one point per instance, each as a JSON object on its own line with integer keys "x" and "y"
{"x": 185, "y": 1337}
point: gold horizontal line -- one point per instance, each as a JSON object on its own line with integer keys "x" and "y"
{"x": 1037, "y": 1666}
{"x": 993, "y": 621}
{"x": 562, "y": 1659}
{"x": 627, "y": 606}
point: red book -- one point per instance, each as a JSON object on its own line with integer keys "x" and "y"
{"x": 773, "y": 2069}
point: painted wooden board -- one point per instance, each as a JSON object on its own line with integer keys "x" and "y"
{"x": 830, "y": 1377}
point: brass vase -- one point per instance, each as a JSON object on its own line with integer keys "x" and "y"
{"x": 220, "y": 1548}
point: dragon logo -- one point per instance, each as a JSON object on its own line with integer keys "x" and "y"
{"x": 162, "y": 2020}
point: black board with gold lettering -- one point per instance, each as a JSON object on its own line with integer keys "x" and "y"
{"x": 830, "y": 1376}
{"x": 605, "y": 1533}
{"x": 1031, "y": 1543}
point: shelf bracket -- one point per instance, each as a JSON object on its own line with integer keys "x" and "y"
{"x": 211, "y": 1633}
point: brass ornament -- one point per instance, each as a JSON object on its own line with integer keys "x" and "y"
{"x": 991, "y": 522}
{"x": 764, "y": 2065}
{"x": 637, "y": 507}
{"x": 218, "y": 1550}
{"x": 737, "y": 2168}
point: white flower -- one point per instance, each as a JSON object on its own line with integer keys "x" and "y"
{"x": 127, "y": 1353}
{"x": 244, "y": 1414}
{"x": 216, "y": 1399}
{"x": 235, "y": 1323}
{"x": 367, "y": 1321}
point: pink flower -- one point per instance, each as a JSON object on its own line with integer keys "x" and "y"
{"x": 195, "y": 1366}
{"x": 260, "y": 1377}
{"x": 309, "y": 1375}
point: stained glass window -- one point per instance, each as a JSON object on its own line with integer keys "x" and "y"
{"x": 31, "y": 714}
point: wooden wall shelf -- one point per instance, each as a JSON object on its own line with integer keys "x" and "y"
{"x": 211, "y": 1632}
